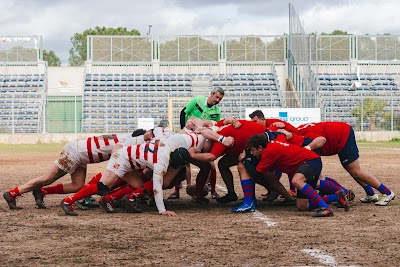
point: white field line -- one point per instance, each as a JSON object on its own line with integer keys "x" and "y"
{"x": 324, "y": 259}
{"x": 256, "y": 215}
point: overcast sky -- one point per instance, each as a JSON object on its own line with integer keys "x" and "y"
{"x": 58, "y": 20}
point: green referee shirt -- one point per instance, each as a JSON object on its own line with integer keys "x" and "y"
{"x": 197, "y": 107}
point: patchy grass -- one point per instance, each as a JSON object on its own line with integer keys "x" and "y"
{"x": 20, "y": 148}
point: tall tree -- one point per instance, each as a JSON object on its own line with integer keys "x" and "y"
{"x": 78, "y": 52}
{"x": 371, "y": 110}
{"x": 52, "y": 59}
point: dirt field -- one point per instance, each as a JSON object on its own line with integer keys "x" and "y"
{"x": 201, "y": 236}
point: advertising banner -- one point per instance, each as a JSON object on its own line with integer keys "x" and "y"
{"x": 295, "y": 116}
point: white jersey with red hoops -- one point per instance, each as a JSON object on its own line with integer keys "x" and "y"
{"x": 186, "y": 140}
{"x": 98, "y": 148}
{"x": 154, "y": 155}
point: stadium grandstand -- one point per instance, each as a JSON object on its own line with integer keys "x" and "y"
{"x": 349, "y": 78}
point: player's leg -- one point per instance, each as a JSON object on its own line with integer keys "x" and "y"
{"x": 305, "y": 180}
{"x": 224, "y": 165}
{"x": 247, "y": 183}
{"x": 213, "y": 181}
{"x": 53, "y": 174}
{"x": 349, "y": 157}
{"x": 201, "y": 180}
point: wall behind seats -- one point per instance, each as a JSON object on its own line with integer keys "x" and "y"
{"x": 65, "y": 80}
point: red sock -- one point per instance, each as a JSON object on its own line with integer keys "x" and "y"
{"x": 95, "y": 179}
{"x": 201, "y": 180}
{"x": 118, "y": 183}
{"x": 177, "y": 187}
{"x": 146, "y": 188}
{"x": 52, "y": 189}
{"x": 119, "y": 193}
{"x": 213, "y": 179}
{"x": 15, "y": 192}
{"x": 86, "y": 191}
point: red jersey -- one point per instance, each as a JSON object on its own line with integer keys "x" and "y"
{"x": 241, "y": 135}
{"x": 336, "y": 134}
{"x": 284, "y": 157}
{"x": 295, "y": 140}
{"x": 288, "y": 126}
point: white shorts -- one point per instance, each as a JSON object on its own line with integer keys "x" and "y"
{"x": 69, "y": 159}
{"x": 119, "y": 163}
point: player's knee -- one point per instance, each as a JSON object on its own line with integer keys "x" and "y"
{"x": 302, "y": 204}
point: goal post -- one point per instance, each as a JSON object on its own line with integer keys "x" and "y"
{"x": 175, "y": 106}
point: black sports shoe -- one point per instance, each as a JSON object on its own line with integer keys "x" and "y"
{"x": 130, "y": 206}
{"x": 230, "y": 197}
{"x": 39, "y": 199}
{"x": 106, "y": 205}
{"x": 324, "y": 213}
{"x": 68, "y": 208}
{"x": 12, "y": 203}
{"x": 200, "y": 200}
{"x": 285, "y": 202}
{"x": 271, "y": 196}
{"x": 343, "y": 202}
{"x": 174, "y": 195}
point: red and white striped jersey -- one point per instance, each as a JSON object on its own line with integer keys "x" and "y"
{"x": 98, "y": 148}
{"x": 154, "y": 155}
{"x": 145, "y": 155}
{"x": 186, "y": 140}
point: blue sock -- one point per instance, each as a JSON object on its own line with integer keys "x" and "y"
{"x": 312, "y": 195}
{"x": 369, "y": 190}
{"x": 384, "y": 190}
{"x": 330, "y": 187}
{"x": 248, "y": 189}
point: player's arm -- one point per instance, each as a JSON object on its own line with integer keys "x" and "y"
{"x": 158, "y": 175}
{"x": 316, "y": 143}
{"x": 209, "y": 134}
{"x": 205, "y": 157}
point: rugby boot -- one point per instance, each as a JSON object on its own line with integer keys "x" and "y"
{"x": 244, "y": 208}
{"x": 323, "y": 212}
{"x": 370, "y": 199}
{"x": 385, "y": 199}
{"x": 68, "y": 208}
{"x": 130, "y": 205}
{"x": 343, "y": 202}
{"x": 39, "y": 199}
{"x": 106, "y": 205}
{"x": 11, "y": 201}
{"x": 230, "y": 197}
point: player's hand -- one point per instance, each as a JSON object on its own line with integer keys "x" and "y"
{"x": 228, "y": 141}
{"x": 242, "y": 155}
{"x": 168, "y": 213}
{"x": 289, "y": 135}
{"x": 236, "y": 124}
{"x": 200, "y": 129}
{"x": 278, "y": 124}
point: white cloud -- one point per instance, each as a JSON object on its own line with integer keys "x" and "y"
{"x": 59, "y": 20}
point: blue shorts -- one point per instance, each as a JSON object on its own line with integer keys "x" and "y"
{"x": 349, "y": 152}
{"x": 311, "y": 170}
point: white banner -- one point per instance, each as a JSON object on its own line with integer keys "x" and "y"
{"x": 295, "y": 116}
{"x": 146, "y": 123}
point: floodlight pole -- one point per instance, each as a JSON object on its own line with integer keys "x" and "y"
{"x": 149, "y": 29}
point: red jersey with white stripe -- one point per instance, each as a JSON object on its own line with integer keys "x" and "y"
{"x": 336, "y": 134}
{"x": 284, "y": 157}
{"x": 241, "y": 135}
{"x": 98, "y": 148}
